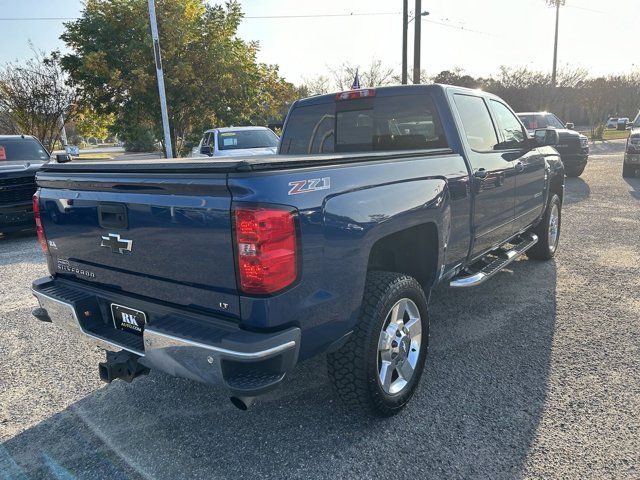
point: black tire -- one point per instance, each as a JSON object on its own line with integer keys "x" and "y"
{"x": 354, "y": 368}
{"x": 628, "y": 171}
{"x": 574, "y": 171}
{"x": 544, "y": 250}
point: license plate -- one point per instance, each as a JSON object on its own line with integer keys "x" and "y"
{"x": 128, "y": 319}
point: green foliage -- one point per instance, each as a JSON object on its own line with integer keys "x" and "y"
{"x": 90, "y": 123}
{"x": 212, "y": 77}
{"x": 597, "y": 133}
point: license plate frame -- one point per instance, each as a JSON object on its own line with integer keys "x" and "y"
{"x": 127, "y": 319}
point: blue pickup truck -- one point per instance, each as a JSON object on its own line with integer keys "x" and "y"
{"x": 233, "y": 271}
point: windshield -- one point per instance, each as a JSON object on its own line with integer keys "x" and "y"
{"x": 636, "y": 122}
{"x": 241, "y": 139}
{"x": 361, "y": 125}
{"x": 531, "y": 122}
{"x": 21, "y": 149}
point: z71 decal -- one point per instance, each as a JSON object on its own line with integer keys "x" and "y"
{"x": 311, "y": 185}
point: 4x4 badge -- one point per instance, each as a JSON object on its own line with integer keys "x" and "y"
{"x": 116, "y": 244}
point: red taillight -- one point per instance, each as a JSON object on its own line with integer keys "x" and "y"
{"x": 266, "y": 247}
{"x": 352, "y": 94}
{"x": 39, "y": 229}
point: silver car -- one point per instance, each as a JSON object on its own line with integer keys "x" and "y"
{"x": 236, "y": 141}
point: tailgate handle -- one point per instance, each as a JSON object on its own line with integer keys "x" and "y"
{"x": 112, "y": 215}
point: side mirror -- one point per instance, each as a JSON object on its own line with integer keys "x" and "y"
{"x": 570, "y": 125}
{"x": 63, "y": 158}
{"x": 546, "y": 137}
{"x": 205, "y": 150}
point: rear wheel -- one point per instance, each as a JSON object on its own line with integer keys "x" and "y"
{"x": 379, "y": 367}
{"x": 574, "y": 171}
{"x": 628, "y": 171}
{"x": 548, "y": 231}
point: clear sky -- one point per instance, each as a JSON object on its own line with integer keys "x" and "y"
{"x": 478, "y": 36}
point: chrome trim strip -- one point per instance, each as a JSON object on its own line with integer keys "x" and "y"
{"x": 170, "y": 341}
{"x": 479, "y": 277}
{"x": 76, "y": 324}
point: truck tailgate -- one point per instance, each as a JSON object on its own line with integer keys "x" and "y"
{"x": 166, "y": 237}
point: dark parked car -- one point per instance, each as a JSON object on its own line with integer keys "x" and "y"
{"x": 232, "y": 271}
{"x": 20, "y": 157}
{"x": 631, "y": 166}
{"x": 573, "y": 146}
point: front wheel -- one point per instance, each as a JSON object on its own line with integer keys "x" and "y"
{"x": 548, "y": 231}
{"x": 628, "y": 171}
{"x": 378, "y": 369}
{"x": 574, "y": 171}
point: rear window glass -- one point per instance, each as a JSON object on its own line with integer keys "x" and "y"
{"x": 21, "y": 149}
{"x": 240, "y": 139}
{"x": 531, "y": 122}
{"x": 403, "y": 122}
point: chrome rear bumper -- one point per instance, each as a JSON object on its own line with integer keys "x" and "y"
{"x": 247, "y": 363}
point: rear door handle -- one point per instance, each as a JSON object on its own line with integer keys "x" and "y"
{"x": 480, "y": 173}
{"x": 519, "y": 167}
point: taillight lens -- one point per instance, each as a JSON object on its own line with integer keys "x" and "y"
{"x": 38, "y": 219}
{"x": 266, "y": 246}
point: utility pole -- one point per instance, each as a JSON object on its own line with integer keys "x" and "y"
{"x": 405, "y": 28}
{"x": 557, "y": 4}
{"x": 416, "y": 42}
{"x": 160, "y": 75}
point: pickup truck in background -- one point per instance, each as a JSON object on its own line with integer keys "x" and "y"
{"x": 572, "y": 146}
{"x": 233, "y": 271}
{"x": 20, "y": 158}
{"x": 631, "y": 166}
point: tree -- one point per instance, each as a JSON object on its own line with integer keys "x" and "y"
{"x": 212, "y": 77}
{"x": 374, "y": 75}
{"x": 34, "y": 96}
{"x": 90, "y": 123}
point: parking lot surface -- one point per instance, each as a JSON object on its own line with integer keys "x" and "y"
{"x": 534, "y": 374}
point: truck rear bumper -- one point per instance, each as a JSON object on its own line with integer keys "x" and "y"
{"x": 176, "y": 342}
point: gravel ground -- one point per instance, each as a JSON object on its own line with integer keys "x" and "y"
{"x": 532, "y": 375}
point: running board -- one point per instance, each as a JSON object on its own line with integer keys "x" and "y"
{"x": 472, "y": 277}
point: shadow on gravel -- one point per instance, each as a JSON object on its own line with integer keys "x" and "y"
{"x": 576, "y": 190}
{"x": 634, "y": 183}
{"x": 475, "y": 413}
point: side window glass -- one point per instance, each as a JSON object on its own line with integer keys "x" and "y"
{"x": 512, "y": 131}
{"x": 476, "y": 122}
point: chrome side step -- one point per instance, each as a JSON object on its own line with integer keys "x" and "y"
{"x": 493, "y": 263}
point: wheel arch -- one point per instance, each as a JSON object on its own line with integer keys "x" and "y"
{"x": 414, "y": 251}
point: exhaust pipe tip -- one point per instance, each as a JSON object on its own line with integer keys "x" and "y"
{"x": 243, "y": 403}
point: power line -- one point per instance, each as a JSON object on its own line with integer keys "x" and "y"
{"x": 251, "y": 17}
{"x": 18, "y": 19}
{"x": 321, "y": 15}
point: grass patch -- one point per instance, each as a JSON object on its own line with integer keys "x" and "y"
{"x": 610, "y": 134}
{"x": 95, "y": 156}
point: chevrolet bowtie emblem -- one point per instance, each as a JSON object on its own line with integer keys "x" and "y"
{"x": 116, "y": 244}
